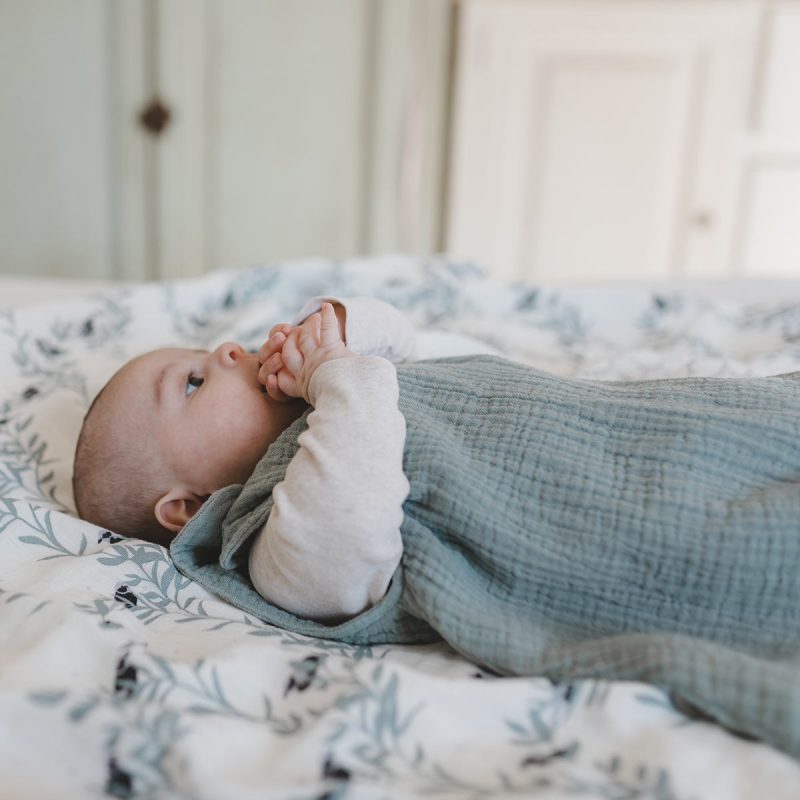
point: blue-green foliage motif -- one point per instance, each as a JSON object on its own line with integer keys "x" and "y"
{"x": 367, "y": 718}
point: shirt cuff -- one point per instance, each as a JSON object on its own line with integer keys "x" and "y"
{"x": 353, "y": 368}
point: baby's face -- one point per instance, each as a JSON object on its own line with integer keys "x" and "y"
{"x": 205, "y": 413}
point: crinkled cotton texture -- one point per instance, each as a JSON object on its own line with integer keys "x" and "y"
{"x": 645, "y": 530}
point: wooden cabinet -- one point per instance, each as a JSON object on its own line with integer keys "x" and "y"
{"x": 544, "y": 138}
{"x": 295, "y": 129}
{"x": 601, "y": 138}
{"x": 262, "y": 157}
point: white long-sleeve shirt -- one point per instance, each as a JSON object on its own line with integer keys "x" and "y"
{"x": 332, "y": 541}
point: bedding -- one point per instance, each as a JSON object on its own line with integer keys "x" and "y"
{"x": 121, "y": 678}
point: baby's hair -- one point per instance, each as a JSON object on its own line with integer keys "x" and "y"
{"x": 116, "y": 487}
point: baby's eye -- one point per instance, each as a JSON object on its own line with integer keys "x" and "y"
{"x": 193, "y": 382}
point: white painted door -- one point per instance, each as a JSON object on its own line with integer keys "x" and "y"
{"x": 596, "y": 138}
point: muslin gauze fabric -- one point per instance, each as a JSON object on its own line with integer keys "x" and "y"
{"x": 644, "y": 530}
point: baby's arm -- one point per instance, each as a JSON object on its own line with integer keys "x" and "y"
{"x": 332, "y": 541}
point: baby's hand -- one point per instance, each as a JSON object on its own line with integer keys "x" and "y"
{"x": 303, "y": 348}
{"x": 269, "y": 356}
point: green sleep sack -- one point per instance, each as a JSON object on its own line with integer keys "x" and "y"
{"x": 644, "y": 530}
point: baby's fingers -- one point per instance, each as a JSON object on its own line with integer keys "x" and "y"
{"x": 271, "y": 346}
{"x": 274, "y": 390}
{"x": 270, "y": 367}
{"x": 308, "y": 338}
{"x": 282, "y": 327}
{"x": 277, "y": 336}
{"x": 291, "y": 355}
{"x": 329, "y": 325}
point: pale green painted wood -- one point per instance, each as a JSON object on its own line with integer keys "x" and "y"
{"x": 55, "y": 149}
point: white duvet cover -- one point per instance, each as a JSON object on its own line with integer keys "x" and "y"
{"x": 120, "y": 678}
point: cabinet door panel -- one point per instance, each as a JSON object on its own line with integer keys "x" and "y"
{"x": 770, "y": 238}
{"x": 605, "y": 200}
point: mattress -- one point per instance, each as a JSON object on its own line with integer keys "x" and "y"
{"x": 121, "y": 678}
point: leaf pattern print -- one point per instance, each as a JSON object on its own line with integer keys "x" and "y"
{"x": 126, "y": 680}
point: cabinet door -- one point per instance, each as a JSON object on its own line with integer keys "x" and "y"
{"x": 592, "y": 138}
{"x": 264, "y": 158}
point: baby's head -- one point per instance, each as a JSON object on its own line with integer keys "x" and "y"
{"x": 170, "y": 428}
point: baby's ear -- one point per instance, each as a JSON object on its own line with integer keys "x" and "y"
{"x": 176, "y": 508}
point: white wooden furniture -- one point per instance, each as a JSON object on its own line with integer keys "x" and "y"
{"x": 294, "y": 129}
{"x": 545, "y": 138}
{"x": 628, "y": 138}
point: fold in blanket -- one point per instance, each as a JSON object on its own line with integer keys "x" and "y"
{"x": 645, "y": 530}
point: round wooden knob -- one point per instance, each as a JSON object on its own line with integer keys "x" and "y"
{"x": 155, "y": 116}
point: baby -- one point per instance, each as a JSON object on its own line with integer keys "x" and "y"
{"x": 644, "y": 530}
{"x": 210, "y": 417}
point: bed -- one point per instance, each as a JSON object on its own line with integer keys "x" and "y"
{"x": 121, "y": 678}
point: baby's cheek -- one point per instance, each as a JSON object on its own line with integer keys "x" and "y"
{"x": 197, "y": 451}
{"x": 260, "y": 422}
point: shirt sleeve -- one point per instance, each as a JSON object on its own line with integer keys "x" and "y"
{"x": 332, "y": 541}
{"x": 372, "y": 327}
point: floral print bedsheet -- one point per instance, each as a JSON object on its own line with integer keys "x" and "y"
{"x": 121, "y": 678}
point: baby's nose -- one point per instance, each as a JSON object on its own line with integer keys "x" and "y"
{"x": 229, "y": 353}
